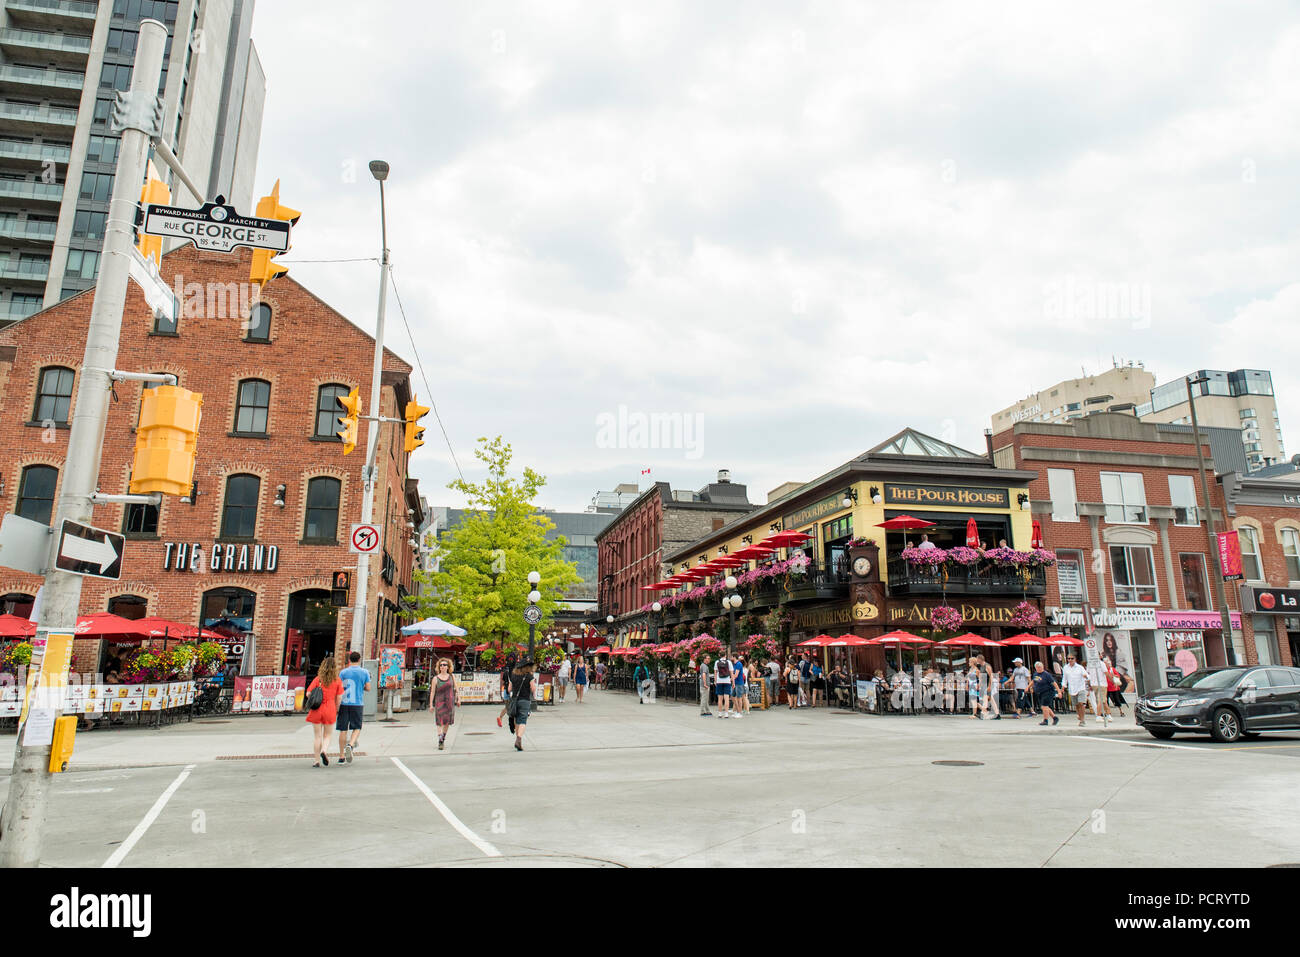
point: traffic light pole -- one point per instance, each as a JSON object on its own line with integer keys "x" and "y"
{"x": 372, "y": 441}
{"x": 23, "y": 819}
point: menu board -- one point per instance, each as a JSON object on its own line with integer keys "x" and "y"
{"x": 10, "y": 706}
{"x": 477, "y": 691}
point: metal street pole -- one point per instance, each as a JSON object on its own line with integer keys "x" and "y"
{"x": 1210, "y": 536}
{"x": 23, "y": 819}
{"x": 378, "y": 169}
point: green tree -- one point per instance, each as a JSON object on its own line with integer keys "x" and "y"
{"x": 482, "y": 584}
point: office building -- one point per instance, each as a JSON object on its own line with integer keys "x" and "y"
{"x": 61, "y": 63}
{"x": 1119, "y": 389}
{"x": 1242, "y": 399}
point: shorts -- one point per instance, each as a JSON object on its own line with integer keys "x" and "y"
{"x": 792, "y": 688}
{"x": 349, "y": 718}
{"x": 522, "y": 707}
{"x": 562, "y": 682}
{"x": 724, "y": 687}
{"x": 1044, "y": 699}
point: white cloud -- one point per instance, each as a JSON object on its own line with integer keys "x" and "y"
{"x": 814, "y": 226}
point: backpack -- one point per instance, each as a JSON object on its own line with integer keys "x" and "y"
{"x": 315, "y": 698}
{"x": 724, "y": 668}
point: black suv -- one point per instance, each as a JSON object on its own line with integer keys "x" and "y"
{"x": 1229, "y": 703}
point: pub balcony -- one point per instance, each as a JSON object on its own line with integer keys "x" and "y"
{"x": 984, "y": 578}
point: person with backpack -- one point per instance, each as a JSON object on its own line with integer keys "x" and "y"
{"x": 805, "y": 680}
{"x": 792, "y": 684}
{"x": 644, "y": 684}
{"x": 722, "y": 682}
{"x": 322, "y": 701}
{"x": 740, "y": 687}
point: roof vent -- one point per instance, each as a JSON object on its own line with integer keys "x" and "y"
{"x": 724, "y": 475}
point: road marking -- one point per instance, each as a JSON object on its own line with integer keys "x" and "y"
{"x": 125, "y": 847}
{"x": 1145, "y": 744}
{"x": 89, "y": 791}
{"x": 447, "y": 814}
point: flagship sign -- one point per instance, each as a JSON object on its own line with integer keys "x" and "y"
{"x": 959, "y": 495}
{"x": 810, "y": 513}
{"x": 189, "y": 557}
{"x": 1127, "y": 618}
{"x": 216, "y": 226}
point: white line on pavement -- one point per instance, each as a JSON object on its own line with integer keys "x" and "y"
{"x": 89, "y": 791}
{"x": 1145, "y": 744}
{"x": 125, "y": 847}
{"x": 447, "y": 814}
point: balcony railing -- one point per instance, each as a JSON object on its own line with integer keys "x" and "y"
{"x": 34, "y": 151}
{"x": 984, "y": 578}
{"x": 43, "y": 192}
{"x": 40, "y": 40}
{"x": 818, "y": 581}
{"x": 72, "y": 8}
{"x": 51, "y": 115}
{"x": 25, "y": 272}
{"x": 33, "y": 76}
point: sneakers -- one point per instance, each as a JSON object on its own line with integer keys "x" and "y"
{"x": 1043, "y": 723}
{"x": 347, "y": 754}
{"x": 324, "y": 759}
{"x": 1055, "y": 720}
{"x": 997, "y": 717}
{"x": 439, "y": 745}
{"x": 498, "y": 721}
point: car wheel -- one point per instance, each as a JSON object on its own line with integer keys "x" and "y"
{"x": 1162, "y": 733}
{"x": 1225, "y": 726}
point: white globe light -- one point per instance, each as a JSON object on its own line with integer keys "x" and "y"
{"x": 657, "y": 607}
{"x": 534, "y": 578}
{"x": 735, "y": 601}
{"x": 534, "y": 597}
{"x": 847, "y": 502}
{"x": 731, "y": 581}
{"x": 609, "y": 619}
{"x": 876, "y": 498}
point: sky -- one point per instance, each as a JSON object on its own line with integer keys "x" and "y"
{"x": 765, "y": 237}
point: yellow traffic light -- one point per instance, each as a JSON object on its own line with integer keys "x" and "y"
{"x": 165, "y": 441}
{"x": 264, "y": 267}
{"x": 414, "y": 430}
{"x": 153, "y": 191}
{"x": 352, "y": 406}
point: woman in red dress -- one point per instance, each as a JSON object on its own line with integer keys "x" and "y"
{"x": 322, "y": 719}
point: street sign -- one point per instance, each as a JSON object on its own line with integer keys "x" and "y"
{"x": 157, "y": 294}
{"x": 24, "y": 544}
{"x": 216, "y": 226}
{"x": 89, "y": 551}
{"x": 338, "y": 598}
{"x": 365, "y": 539}
{"x": 342, "y": 580}
{"x": 532, "y": 614}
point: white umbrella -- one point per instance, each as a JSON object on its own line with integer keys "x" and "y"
{"x": 435, "y": 626}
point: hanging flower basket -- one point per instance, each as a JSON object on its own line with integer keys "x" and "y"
{"x": 1025, "y": 616}
{"x": 1040, "y": 557}
{"x": 963, "y": 555}
{"x": 946, "y": 618}
{"x": 930, "y": 559}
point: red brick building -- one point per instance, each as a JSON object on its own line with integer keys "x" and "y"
{"x": 254, "y": 549}
{"x": 1120, "y": 502}
{"x": 633, "y": 547}
{"x": 1265, "y": 510}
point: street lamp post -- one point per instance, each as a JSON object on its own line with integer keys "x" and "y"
{"x": 655, "y": 608}
{"x": 1210, "y": 531}
{"x": 534, "y": 596}
{"x": 731, "y": 602}
{"x": 379, "y": 170}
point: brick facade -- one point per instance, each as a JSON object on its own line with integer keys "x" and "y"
{"x": 310, "y": 344}
{"x": 1272, "y": 508}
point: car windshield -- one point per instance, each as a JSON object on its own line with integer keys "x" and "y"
{"x": 1220, "y": 678}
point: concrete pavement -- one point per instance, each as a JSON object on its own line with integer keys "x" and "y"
{"x": 612, "y": 782}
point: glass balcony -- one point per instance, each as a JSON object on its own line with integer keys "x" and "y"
{"x": 64, "y": 47}
{"x": 35, "y": 152}
{"x": 47, "y": 117}
{"x": 31, "y": 192}
{"x": 32, "y": 232}
{"x": 78, "y": 9}
{"x": 25, "y": 272}
{"x": 28, "y": 76}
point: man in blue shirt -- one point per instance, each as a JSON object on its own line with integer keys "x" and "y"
{"x": 356, "y": 682}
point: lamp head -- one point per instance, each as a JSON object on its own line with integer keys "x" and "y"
{"x": 379, "y": 170}
{"x": 534, "y": 578}
{"x": 656, "y": 607}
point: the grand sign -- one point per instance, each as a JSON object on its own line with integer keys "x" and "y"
{"x": 1126, "y": 618}
{"x": 954, "y": 495}
{"x": 188, "y": 557}
{"x": 918, "y": 613}
{"x": 810, "y": 513}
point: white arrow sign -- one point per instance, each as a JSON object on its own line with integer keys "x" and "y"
{"x": 84, "y": 550}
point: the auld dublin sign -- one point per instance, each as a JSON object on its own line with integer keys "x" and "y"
{"x": 968, "y": 496}
{"x": 188, "y": 556}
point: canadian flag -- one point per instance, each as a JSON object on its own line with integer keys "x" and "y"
{"x": 645, "y": 471}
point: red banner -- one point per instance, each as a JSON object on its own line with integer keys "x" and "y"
{"x": 1230, "y": 556}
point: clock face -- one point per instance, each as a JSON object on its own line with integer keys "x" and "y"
{"x": 861, "y": 566}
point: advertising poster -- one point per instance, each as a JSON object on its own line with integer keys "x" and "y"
{"x": 476, "y": 691}
{"x": 266, "y": 693}
{"x": 391, "y": 659}
{"x": 1185, "y": 649}
{"x": 133, "y": 700}
{"x": 1230, "y": 556}
{"x": 1117, "y": 645}
{"x": 155, "y": 698}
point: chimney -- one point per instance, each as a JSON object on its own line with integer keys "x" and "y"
{"x": 988, "y": 442}
{"x": 724, "y": 475}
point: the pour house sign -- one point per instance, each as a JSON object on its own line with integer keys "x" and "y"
{"x": 189, "y": 557}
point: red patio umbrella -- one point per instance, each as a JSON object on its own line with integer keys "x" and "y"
{"x": 1036, "y": 540}
{"x": 973, "y": 533}
{"x": 1028, "y": 640}
{"x": 657, "y": 586}
{"x": 753, "y": 552}
{"x": 12, "y": 626}
{"x": 602, "y": 650}
{"x": 970, "y": 639}
{"x": 729, "y": 561}
{"x": 815, "y": 642}
{"x": 107, "y": 624}
{"x": 1064, "y": 640}
{"x": 904, "y": 522}
{"x": 846, "y": 641}
{"x": 786, "y": 539}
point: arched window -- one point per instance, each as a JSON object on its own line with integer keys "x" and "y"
{"x": 328, "y": 410}
{"x": 53, "y": 395}
{"x": 128, "y": 606}
{"x": 259, "y": 323}
{"x": 36, "y": 493}
{"x": 239, "y": 513}
{"x": 251, "y": 406}
{"x": 322, "y": 520}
